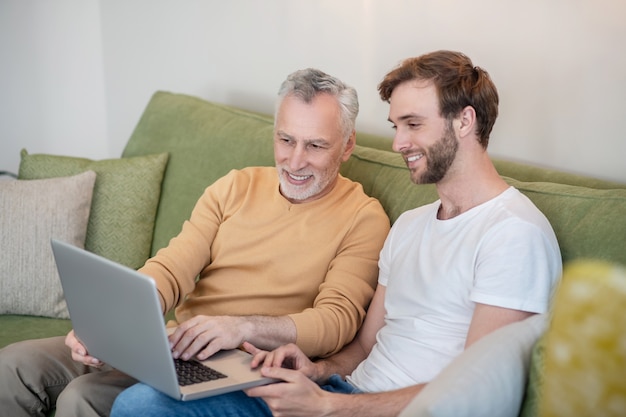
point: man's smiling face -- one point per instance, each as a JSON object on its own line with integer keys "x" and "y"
{"x": 309, "y": 147}
{"x": 425, "y": 139}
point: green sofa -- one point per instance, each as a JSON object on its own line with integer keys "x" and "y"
{"x": 205, "y": 140}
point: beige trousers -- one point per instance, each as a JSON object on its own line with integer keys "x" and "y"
{"x": 38, "y": 375}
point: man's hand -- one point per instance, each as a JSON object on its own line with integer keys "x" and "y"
{"x": 202, "y": 336}
{"x": 297, "y": 396}
{"x": 79, "y": 352}
{"x": 289, "y": 356}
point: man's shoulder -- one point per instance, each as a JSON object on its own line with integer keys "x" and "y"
{"x": 256, "y": 170}
{"x": 519, "y": 205}
{"x": 516, "y": 215}
{"x": 251, "y": 174}
{"x": 353, "y": 190}
{"x": 237, "y": 181}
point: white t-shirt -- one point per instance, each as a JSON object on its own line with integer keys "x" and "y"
{"x": 502, "y": 252}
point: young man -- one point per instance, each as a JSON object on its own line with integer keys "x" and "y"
{"x": 480, "y": 257}
{"x": 283, "y": 255}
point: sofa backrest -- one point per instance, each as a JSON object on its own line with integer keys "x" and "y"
{"x": 205, "y": 140}
{"x": 589, "y": 223}
{"x": 512, "y": 169}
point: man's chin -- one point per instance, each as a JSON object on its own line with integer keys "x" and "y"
{"x": 418, "y": 178}
{"x": 296, "y": 196}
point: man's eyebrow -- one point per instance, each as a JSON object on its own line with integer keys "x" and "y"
{"x": 320, "y": 141}
{"x": 283, "y": 134}
{"x": 408, "y": 116}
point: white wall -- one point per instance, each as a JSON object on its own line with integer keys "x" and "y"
{"x": 76, "y": 74}
{"x": 51, "y": 80}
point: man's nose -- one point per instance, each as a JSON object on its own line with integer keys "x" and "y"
{"x": 297, "y": 159}
{"x": 400, "y": 141}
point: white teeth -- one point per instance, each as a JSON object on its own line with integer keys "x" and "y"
{"x": 414, "y": 158}
{"x": 299, "y": 177}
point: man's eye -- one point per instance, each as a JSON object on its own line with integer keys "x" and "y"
{"x": 316, "y": 146}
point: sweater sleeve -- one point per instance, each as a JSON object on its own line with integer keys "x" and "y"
{"x": 175, "y": 268}
{"x": 339, "y": 309}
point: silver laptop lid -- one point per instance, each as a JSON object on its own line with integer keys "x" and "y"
{"x": 116, "y": 313}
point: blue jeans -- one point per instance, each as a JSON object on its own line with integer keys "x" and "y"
{"x": 140, "y": 400}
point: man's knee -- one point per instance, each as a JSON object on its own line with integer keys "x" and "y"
{"x": 93, "y": 394}
{"x": 81, "y": 398}
{"x": 21, "y": 363}
{"x": 40, "y": 364}
{"x": 24, "y": 390}
{"x": 73, "y": 394}
{"x": 9, "y": 357}
{"x": 20, "y": 355}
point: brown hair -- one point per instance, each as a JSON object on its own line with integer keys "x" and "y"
{"x": 458, "y": 82}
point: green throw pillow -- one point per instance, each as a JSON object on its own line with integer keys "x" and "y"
{"x": 125, "y": 200}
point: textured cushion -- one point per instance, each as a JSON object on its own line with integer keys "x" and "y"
{"x": 589, "y": 223}
{"x": 488, "y": 379}
{"x": 125, "y": 200}
{"x": 204, "y": 141}
{"x": 585, "y": 346}
{"x": 529, "y": 173}
{"x": 33, "y": 212}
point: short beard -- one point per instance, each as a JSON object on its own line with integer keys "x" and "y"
{"x": 439, "y": 157}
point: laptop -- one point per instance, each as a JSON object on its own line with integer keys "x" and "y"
{"x": 116, "y": 313}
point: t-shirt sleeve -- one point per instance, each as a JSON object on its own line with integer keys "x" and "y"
{"x": 517, "y": 267}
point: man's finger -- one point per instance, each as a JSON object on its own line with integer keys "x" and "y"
{"x": 287, "y": 375}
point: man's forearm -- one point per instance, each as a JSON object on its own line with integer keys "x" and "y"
{"x": 268, "y": 333}
{"x": 342, "y": 363}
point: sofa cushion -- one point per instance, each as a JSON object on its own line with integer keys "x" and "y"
{"x": 15, "y": 328}
{"x": 204, "y": 141}
{"x": 530, "y": 173}
{"x": 125, "y": 200}
{"x": 577, "y": 214}
{"x": 589, "y": 223}
{"x": 33, "y": 212}
{"x": 487, "y": 379}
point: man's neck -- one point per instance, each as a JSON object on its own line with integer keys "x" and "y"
{"x": 465, "y": 189}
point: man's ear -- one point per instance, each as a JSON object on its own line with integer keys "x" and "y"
{"x": 349, "y": 146}
{"x": 467, "y": 118}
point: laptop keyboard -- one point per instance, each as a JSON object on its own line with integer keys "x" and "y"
{"x": 193, "y": 372}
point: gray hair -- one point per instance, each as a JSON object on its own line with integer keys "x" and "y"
{"x": 306, "y": 84}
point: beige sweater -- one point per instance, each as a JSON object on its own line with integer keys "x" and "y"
{"x": 255, "y": 253}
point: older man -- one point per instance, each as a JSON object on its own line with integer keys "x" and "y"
{"x": 283, "y": 255}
